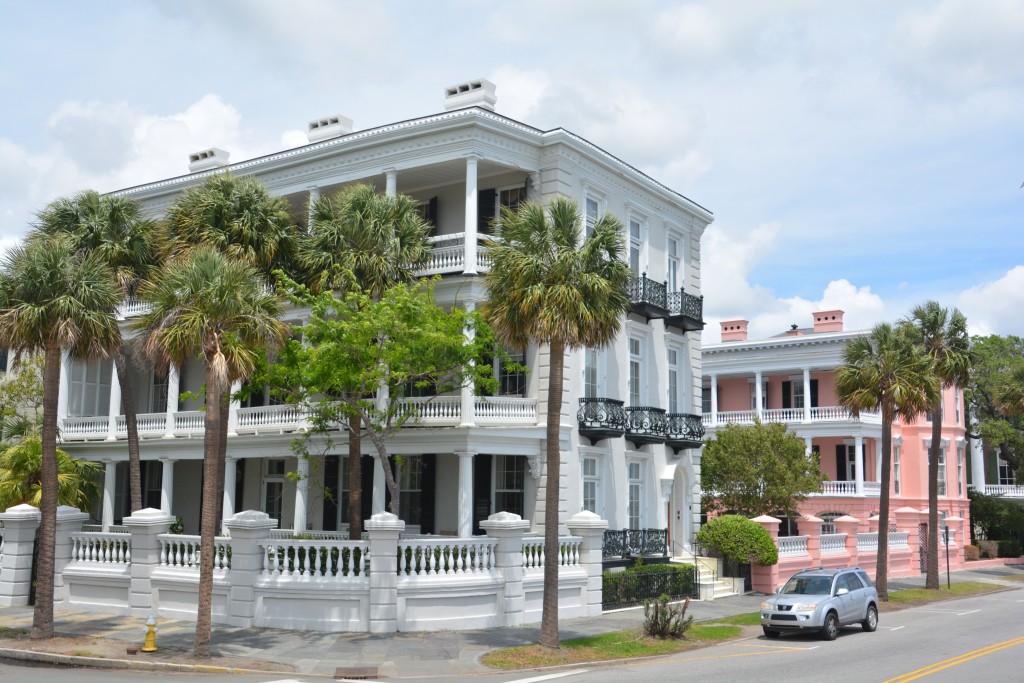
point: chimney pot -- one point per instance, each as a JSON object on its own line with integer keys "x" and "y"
{"x": 207, "y": 159}
{"x": 734, "y": 330}
{"x": 475, "y": 93}
{"x": 327, "y": 127}
{"x": 828, "y": 321}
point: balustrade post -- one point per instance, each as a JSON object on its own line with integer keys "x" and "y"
{"x": 956, "y": 531}
{"x": 873, "y": 524}
{"x": 810, "y": 526}
{"x": 508, "y": 528}
{"x": 907, "y": 520}
{"x": 850, "y": 526}
{"x": 590, "y": 528}
{"x": 69, "y": 520}
{"x": 762, "y": 579}
{"x": 144, "y": 526}
{"x": 20, "y": 524}
{"x": 383, "y": 530}
{"x": 247, "y": 529}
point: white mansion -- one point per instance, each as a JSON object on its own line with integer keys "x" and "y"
{"x": 630, "y": 425}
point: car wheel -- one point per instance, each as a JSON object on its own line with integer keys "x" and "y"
{"x": 870, "y": 622}
{"x": 830, "y": 630}
{"x": 769, "y": 633}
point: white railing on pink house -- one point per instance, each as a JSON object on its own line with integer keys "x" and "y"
{"x": 791, "y": 546}
{"x": 791, "y": 416}
{"x": 833, "y": 543}
{"x": 868, "y": 542}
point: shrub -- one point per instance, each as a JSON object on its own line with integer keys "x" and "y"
{"x": 972, "y": 552}
{"x": 1009, "y": 548}
{"x": 662, "y": 620}
{"x": 739, "y": 539}
{"x": 645, "y": 581}
{"x": 177, "y": 527}
{"x": 989, "y": 549}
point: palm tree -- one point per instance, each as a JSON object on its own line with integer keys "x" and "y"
{"x": 219, "y": 308}
{"x": 21, "y": 476}
{"x": 113, "y": 229}
{"x": 369, "y": 240}
{"x": 548, "y": 285}
{"x": 943, "y": 337}
{"x": 885, "y": 371}
{"x": 52, "y": 297}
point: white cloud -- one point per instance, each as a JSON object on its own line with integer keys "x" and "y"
{"x": 995, "y": 307}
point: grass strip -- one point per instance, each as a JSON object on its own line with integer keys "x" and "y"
{"x": 956, "y": 590}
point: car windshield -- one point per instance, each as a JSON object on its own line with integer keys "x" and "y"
{"x": 808, "y": 585}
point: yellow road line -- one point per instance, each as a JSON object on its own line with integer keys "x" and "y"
{"x": 953, "y": 661}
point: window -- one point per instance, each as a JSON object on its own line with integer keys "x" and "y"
{"x": 828, "y": 521}
{"x": 511, "y": 382}
{"x": 410, "y": 490}
{"x": 158, "y": 395}
{"x": 848, "y": 461}
{"x": 634, "y": 508}
{"x": 509, "y": 479}
{"x": 591, "y": 379}
{"x": 255, "y": 398}
{"x": 428, "y": 212}
{"x": 591, "y": 208}
{"x": 1006, "y": 477}
{"x": 956, "y": 403}
{"x": 672, "y": 268}
{"x": 511, "y": 198}
{"x": 89, "y": 393}
{"x": 635, "y": 370}
{"x": 590, "y": 483}
{"x": 635, "y": 246}
{"x": 273, "y": 488}
{"x": 673, "y": 381}
{"x": 705, "y": 400}
{"x": 960, "y": 456}
{"x": 942, "y": 471}
{"x": 798, "y": 395}
{"x": 896, "y": 468}
{"x": 764, "y": 395}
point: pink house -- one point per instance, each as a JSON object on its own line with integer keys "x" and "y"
{"x": 790, "y": 378}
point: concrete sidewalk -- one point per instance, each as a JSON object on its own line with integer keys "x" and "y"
{"x": 443, "y": 654}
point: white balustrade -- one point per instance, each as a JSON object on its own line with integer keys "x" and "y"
{"x": 309, "y": 535}
{"x": 279, "y": 418}
{"x": 112, "y": 529}
{"x": 101, "y": 548}
{"x": 838, "y": 488}
{"x": 1009, "y": 491}
{"x": 533, "y": 552}
{"x": 783, "y": 415}
{"x": 443, "y": 556}
{"x": 315, "y": 558}
{"x": 189, "y": 422}
{"x": 737, "y": 416}
{"x": 182, "y": 551}
{"x": 952, "y": 538}
{"x": 872, "y": 488}
{"x": 147, "y": 424}
{"x": 899, "y": 539}
{"x": 792, "y": 415}
{"x": 791, "y": 546}
{"x": 433, "y": 411}
{"x": 85, "y": 428}
{"x": 867, "y": 542}
{"x": 833, "y": 543}
{"x": 505, "y": 410}
{"x": 131, "y": 307}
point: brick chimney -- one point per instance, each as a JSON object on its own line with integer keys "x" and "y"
{"x": 734, "y": 330}
{"x": 476, "y": 93}
{"x": 828, "y": 321}
{"x": 794, "y": 331}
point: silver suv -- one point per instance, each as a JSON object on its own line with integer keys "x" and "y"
{"x": 822, "y": 600}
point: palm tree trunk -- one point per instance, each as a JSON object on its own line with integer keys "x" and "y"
{"x": 549, "y": 615}
{"x": 932, "y": 567}
{"x": 208, "y": 530}
{"x": 882, "y": 565}
{"x": 132, "y": 427}
{"x": 42, "y": 616}
{"x": 355, "y": 480}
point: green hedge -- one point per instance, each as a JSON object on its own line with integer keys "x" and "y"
{"x": 646, "y": 582}
{"x": 1009, "y": 548}
{"x": 739, "y": 539}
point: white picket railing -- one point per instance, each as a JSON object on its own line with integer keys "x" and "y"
{"x": 315, "y": 558}
{"x": 838, "y": 488}
{"x": 289, "y": 534}
{"x": 92, "y": 547}
{"x": 833, "y": 543}
{"x": 899, "y": 539}
{"x": 867, "y": 542}
{"x": 443, "y": 556}
{"x": 189, "y": 422}
{"x": 791, "y": 415}
{"x": 279, "y": 418}
{"x": 790, "y": 546}
{"x": 533, "y": 552}
{"x": 181, "y": 551}
{"x": 1008, "y": 491}
{"x": 433, "y": 411}
{"x": 85, "y": 428}
{"x": 505, "y": 410}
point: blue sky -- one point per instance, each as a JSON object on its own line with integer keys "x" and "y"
{"x": 865, "y": 156}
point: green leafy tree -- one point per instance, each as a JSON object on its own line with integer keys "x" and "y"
{"x": 888, "y": 372}
{"x": 549, "y": 285}
{"x": 54, "y": 298}
{"x": 359, "y": 354}
{"x": 21, "y": 399}
{"x": 362, "y": 239}
{"x": 113, "y": 229}
{"x": 739, "y": 540}
{"x": 942, "y": 334}
{"x": 994, "y": 518}
{"x": 21, "y": 476}
{"x": 996, "y": 361}
{"x": 758, "y": 469}
{"x": 217, "y": 307}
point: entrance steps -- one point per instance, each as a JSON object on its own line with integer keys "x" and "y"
{"x": 712, "y": 584}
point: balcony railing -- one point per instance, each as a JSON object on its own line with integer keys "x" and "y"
{"x": 792, "y": 415}
{"x": 601, "y": 418}
{"x": 685, "y": 311}
{"x": 647, "y": 297}
{"x": 1005, "y": 490}
{"x": 634, "y": 542}
{"x": 448, "y": 255}
{"x": 645, "y": 424}
{"x": 683, "y": 430}
{"x": 871, "y": 489}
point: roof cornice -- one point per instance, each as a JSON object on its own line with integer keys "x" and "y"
{"x": 819, "y": 339}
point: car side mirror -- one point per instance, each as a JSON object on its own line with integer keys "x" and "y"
{"x": 778, "y": 589}
{"x": 842, "y": 591}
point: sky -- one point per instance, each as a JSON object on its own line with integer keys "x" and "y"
{"x": 867, "y": 156}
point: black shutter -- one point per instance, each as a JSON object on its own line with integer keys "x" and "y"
{"x": 428, "y": 481}
{"x": 814, "y": 393}
{"x": 485, "y": 210}
{"x": 481, "y": 490}
{"x": 787, "y": 395}
{"x": 432, "y": 215}
{"x": 367, "y": 500}
{"x": 840, "y": 462}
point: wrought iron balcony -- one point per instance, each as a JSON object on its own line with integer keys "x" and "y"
{"x": 645, "y": 424}
{"x": 647, "y": 297}
{"x": 601, "y": 418}
{"x": 684, "y": 431}
{"x": 634, "y": 543}
{"x": 685, "y": 311}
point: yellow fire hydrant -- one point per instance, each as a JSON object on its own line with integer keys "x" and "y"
{"x": 150, "y": 643}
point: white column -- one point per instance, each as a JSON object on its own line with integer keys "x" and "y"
{"x": 114, "y": 408}
{"x": 469, "y": 267}
{"x": 858, "y": 464}
{"x": 301, "y": 496}
{"x": 467, "y": 394}
{"x": 109, "y": 485}
{"x": 65, "y": 386}
{"x": 314, "y": 195}
{"x": 978, "y": 465}
{"x": 167, "y": 486}
{"x": 379, "y": 487}
{"x": 230, "y": 476}
{"x": 758, "y": 398}
{"x": 233, "y": 408}
{"x": 714, "y": 400}
{"x": 878, "y": 459}
{"x": 173, "y": 393}
{"x": 465, "y": 494}
{"x": 807, "y": 394}
{"x": 391, "y": 182}
{"x": 809, "y": 444}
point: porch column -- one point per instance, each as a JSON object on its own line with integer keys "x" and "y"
{"x": 467, "y": 394}
{"x": 301, "y": 496}
{"x": 469, "y": 232}
{"x": 758, "y": 398}
{"x": 391, "y": 182}
{"x": 173, "y": 393}
{"x": 809, "y": 444}
{"x": 465, "y": 494}
{"x": 314, "y": 195}
{"x": 109, "y": 485}
{"x": 379, "y": 487}
{"x": 858, "y": 464}
{"x": 714, "y": 400}
{"x": 977, "y": 465}
{"x": 230, "y": 476}
{"x": 878, "y": 459}
{"x": 233, "y": 408}
{"x": 114, "y": 408}
{"x": 167, "y": 485}
{"x": 65, "y": 386}
{"x": 807, "y": 394}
